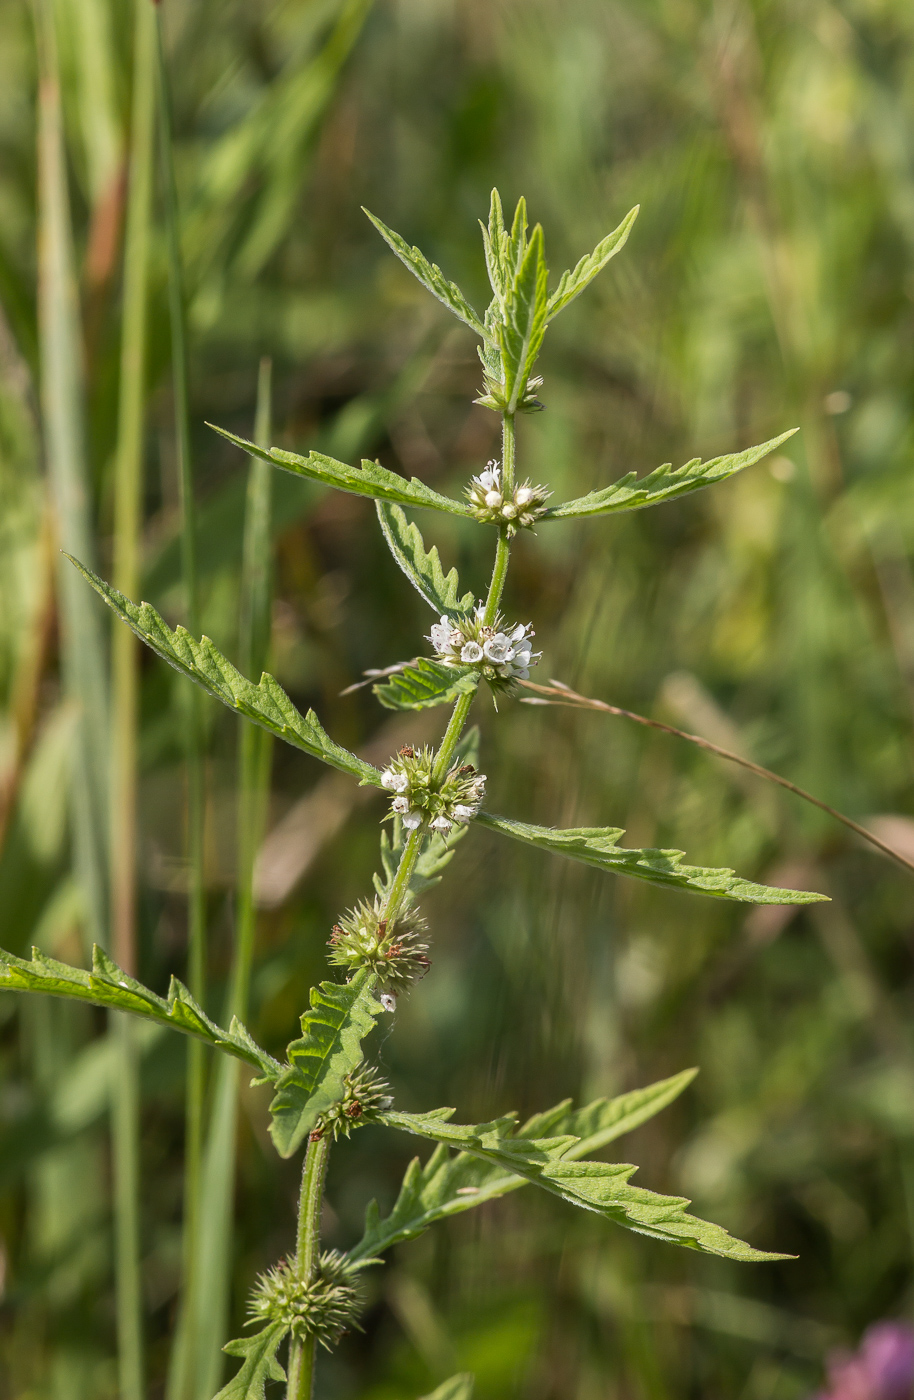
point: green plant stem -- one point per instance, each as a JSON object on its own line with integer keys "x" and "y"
{"x": 507, "y": 453}
{"x": 400, "y": 886}
{"x": 124, "y": 689}
{"x": 180, "y": 1368}
{"x": 452, "y": 734}
{"x": 307, "y": 1252}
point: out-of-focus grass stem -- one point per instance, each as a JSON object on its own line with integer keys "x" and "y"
{"x": 63, "y": 415}
{"x": 212, "y": 1275}
{"x": 180, "y": 1379}
{"x": 128, "y": 486}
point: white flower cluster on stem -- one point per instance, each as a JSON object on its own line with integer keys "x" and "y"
{"x": 420, "y": 798}
{"x": 489, "y": 501}
{"x": 503, "y": 655}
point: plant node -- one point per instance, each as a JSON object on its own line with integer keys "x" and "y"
{"x": 420, "y": 797}
{"x": 518, "y": 510}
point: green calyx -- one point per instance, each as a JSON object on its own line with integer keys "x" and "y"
{"x": 365, "y": 1093}
{"x": 394, "y": 952}
{"x": 323, "y": 1307}
{"x": 421, "y": 798}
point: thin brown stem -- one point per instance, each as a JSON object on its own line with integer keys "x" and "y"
{"x": 558, "y": 693}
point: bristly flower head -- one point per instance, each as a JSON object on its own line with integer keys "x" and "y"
{"x": 365, "y": 1093}
{"x": 324, "y": 1308}
{"x": 394, "y": 952}
{"x": 501, "y": 655}
{"x": 522, "y": 508}
{"x": 454, "y": 800}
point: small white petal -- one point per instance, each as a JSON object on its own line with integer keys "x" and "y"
{"x": 488, "y": 480}
{"x": 519, "y": 632}
{"x": 463, "y": 813}
{"x": 471, "y": 653}
{"x": 509, "y": 510}
{"x": 400, "y": 805}
{"x": 523, "y": 497}
{"x": 498, "y": 649}
{"x": 413, "y": 819}
{"x": 493, "y": 499}
{"x": 441, "y": 824}
{"x": 389, "y": 779}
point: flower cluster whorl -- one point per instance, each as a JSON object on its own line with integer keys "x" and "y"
{"x": 395, "y": 953}
{"x": 522, "y": 507}
{"x": 501, "y": 656}
{"x": 452, "y": 801}
{"x": 365, "y": 1092}
{"x": 324, "y": 1307}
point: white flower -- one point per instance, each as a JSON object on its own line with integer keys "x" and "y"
{"x": 441, "y": 824}
{"x": 463, "y": 813}
{"x": 394, "y": 782}
{"x": 523, "y": 496}
{"x": 498, "y": 649}
{"x": 490, "y": 479}
{"x": 509, "y": 510}
{"x": 521, "y": 631}
{"x": 440, "y": 633}
{"x": 493, "y": 499}
{"x": 413, "y": 819}
{"x": 471, "y": 653}
{"x": 400, "y": 805}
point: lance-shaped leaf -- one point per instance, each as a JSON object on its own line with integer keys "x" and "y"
{"x": 598, "y": 845}
{"x": 329, "y": 1049}
{"x": 426, "y": 683}
{"x": 664, "y": 484}
{"x": 521, "y": 333}
{"x": 108, "y": 985}
{"x": 260, "y": 1364}
{"x": 571, "y": 284}
{"x": 456, "y": 1388}
{"x": 497, "y": 244}
{"x": 371, "y": 479}
{"x": 431, "y": 277}
{"x": 602, "y": 1187}
{"x": 448, "y": 1185}
{"x": 267, "y": 704}
{"x": 421, "y": 566}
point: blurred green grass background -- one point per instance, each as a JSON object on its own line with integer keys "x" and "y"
{"x": 768, "y": 283}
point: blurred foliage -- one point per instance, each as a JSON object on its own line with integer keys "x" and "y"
{"x": 768, "y": 283}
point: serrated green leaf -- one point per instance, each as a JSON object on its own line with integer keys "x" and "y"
{"x": 517, "y": 241}
{"x": 371, "y": 479}
{"x": 602, "y": 1187}
{"x": 571, "y": 284}
{"x": 108, "y": 985}
{"x": 449, "y": 1185}
{"x": 664, "y": 484}
{"x": 520, "y": 335}
{"x": 260, "y": 1364}
{"x": 597, "y": 845}
{"x": 330, "y": 1048}
{"x": 457, "y": 1388}
{"x": 422, "y": 567}
{"x": 426, "y": 683}
{"x": 431, "y": 277}
{"x": 266, "y": 704}
{"x": 497, "y": 245}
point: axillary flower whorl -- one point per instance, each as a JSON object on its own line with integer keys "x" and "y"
{"x": 452, "y": 801}
{"x": 324, "y": 1308}
{"x": 365, "y": 1092}
{"x": 395, "y": 952}
{"x": 501, "y": 654}
{"x": 519, "y": 508}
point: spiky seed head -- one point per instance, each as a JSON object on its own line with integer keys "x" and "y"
{"x": 395, "y": 952}
{"x": 365, "y": 1093}
{"x": 324, "y": 1308}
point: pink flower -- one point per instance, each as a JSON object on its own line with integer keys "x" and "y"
{"x": 882, "y": 1368}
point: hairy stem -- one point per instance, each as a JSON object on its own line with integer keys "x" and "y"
{"x": 507, "y": 453}
{"x": 400, "y": 886}
{"x": 307, "y": 1254}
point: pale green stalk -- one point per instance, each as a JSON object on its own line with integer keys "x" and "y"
{"x": 180, "y": 1383}
{"x": 128, "y": 484}
{"x": 300, "y": 1385}
{"x": 211, "y": 1305}
{"x": 63, "y": 418}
